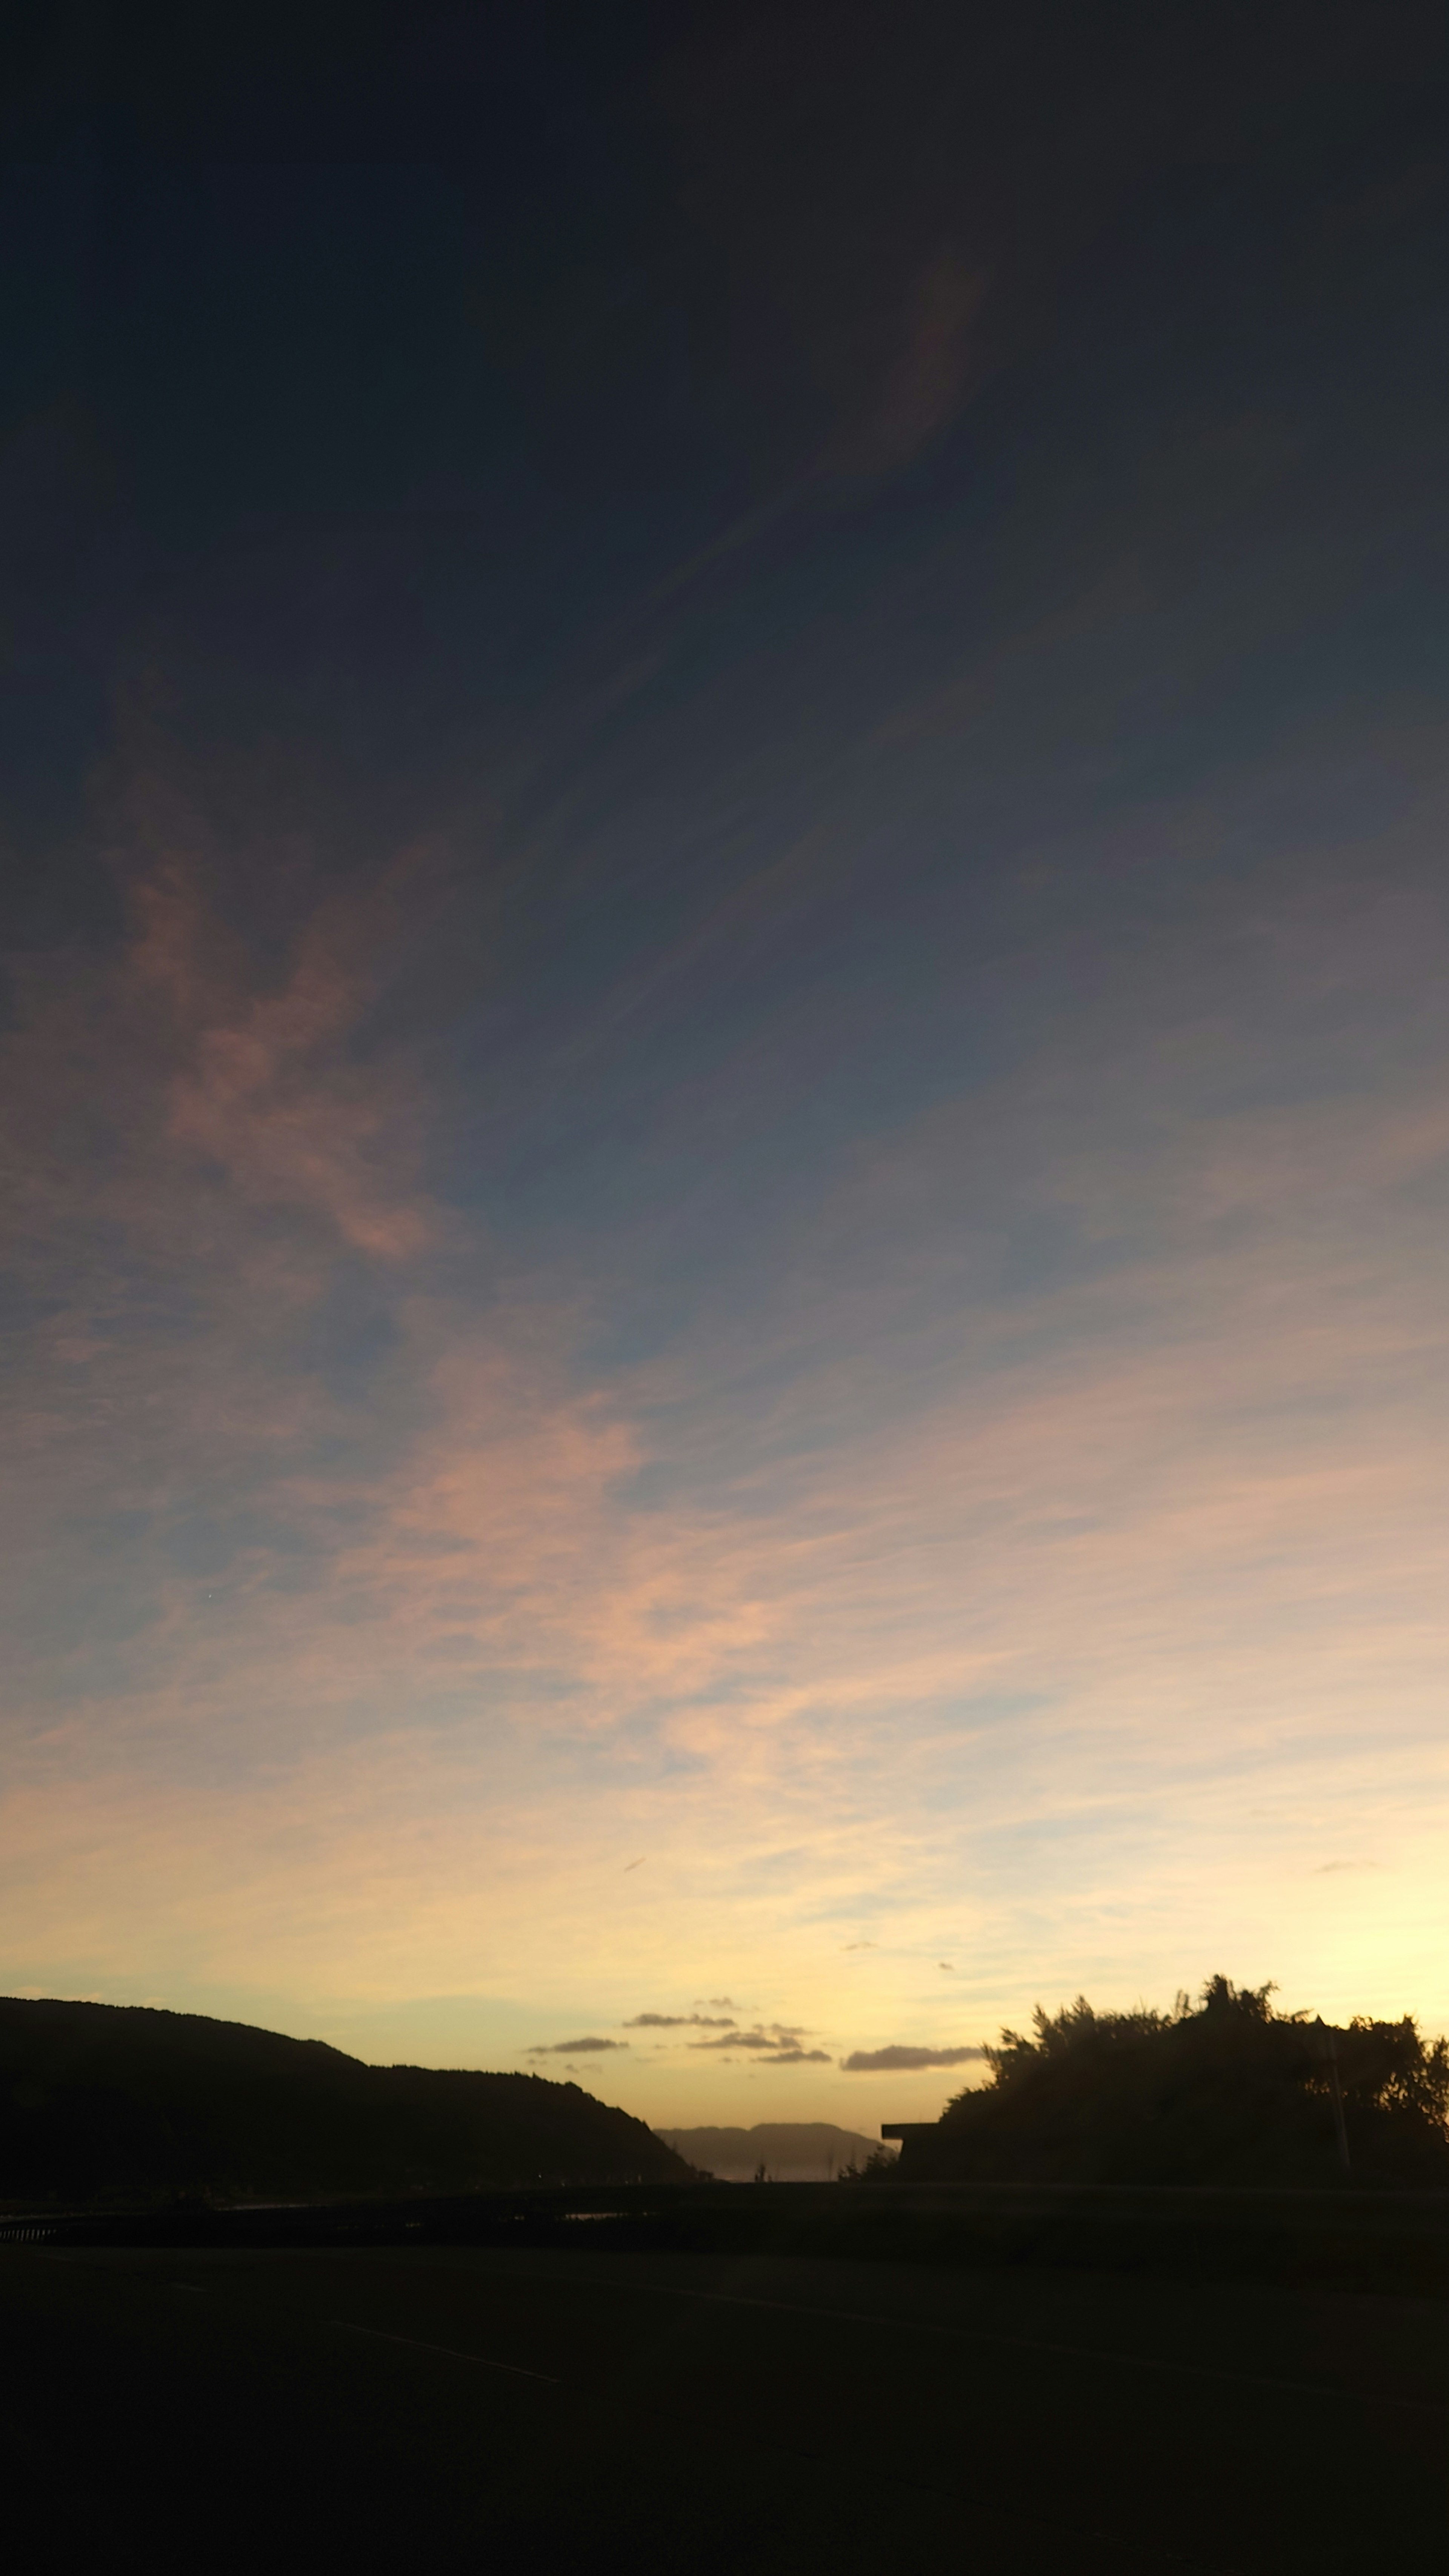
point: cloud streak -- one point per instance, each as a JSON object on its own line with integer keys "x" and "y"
{"x": 780, "y": 2041}
{"x": 591, "y": 2046}
{"x": 677, "y": 2021}
{"x": 904, "y": 2060}
{"x": 1061, "y": 1482}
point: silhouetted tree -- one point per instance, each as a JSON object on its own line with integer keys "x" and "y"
{"x": 1226, "y": 2090}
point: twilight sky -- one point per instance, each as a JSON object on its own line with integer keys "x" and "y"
{"x": 725, "y": 1056}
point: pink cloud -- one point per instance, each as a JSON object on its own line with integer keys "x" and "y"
{"x": 264, "y": 1085}
{"x": 1179, "y": 1507}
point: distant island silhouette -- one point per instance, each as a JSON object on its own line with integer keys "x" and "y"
{"x": 1225, "y": 2091}
{"x": 789, "y": 2150}
{"x": 117, "y": 2101}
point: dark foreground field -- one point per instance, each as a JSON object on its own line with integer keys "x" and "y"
{"x": 428, "y": 2406}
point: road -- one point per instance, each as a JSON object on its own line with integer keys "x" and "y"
{"x": 571, "y": 2411}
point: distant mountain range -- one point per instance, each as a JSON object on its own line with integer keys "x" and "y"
{"x": 789, "y": 2150}
{"x": 111, "y": 2101}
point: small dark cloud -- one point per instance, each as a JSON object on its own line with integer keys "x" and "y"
{"x": 633, "y": 1864}
{"x": 905, "y": 2061}
{"x": 575, "y": 2047}
{"x": 862, "y": 1945}
{"x": 778, "y": 2037}
{"x": 679, "y": 2021}
{"x": 720, "y": 2003}
{"x": 948, "y": 1965}
{"x": 1331, "y": 1868}
{"x": 801, "y": 2057}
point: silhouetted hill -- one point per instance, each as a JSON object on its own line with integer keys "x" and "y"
{"x": 111, "y": 2099}
{"x": 790, "y": 2150}
{"x": 1230, "y": 2092}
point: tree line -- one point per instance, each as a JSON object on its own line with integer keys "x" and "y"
{"x": 1224, "y": 2089}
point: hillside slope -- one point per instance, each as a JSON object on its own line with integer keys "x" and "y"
{"x": 103, "y": 2099}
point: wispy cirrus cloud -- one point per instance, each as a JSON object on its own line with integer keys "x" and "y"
{"x": 590, "y": 2046}
{"x": 264, "y": 1089}
{"x": 1068, "y": 1460}
{"x": 678, "y": 2021}
{"x": 777, "y": 2044}
{"x": 900, "y": 2059}
{"x": 931, "y": 374}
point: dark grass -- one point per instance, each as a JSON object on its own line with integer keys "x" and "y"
{"x": 1393, "y": 2241}
{"x": 368, "y": 2406}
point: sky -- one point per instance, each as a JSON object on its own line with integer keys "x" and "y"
{"x": 725, "y": 1064}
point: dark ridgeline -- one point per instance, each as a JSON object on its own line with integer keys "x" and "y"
{"x": 1230, "y": 2092}
{"x": 108, "y": 2100}
{"x": 789, "y": 2150}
